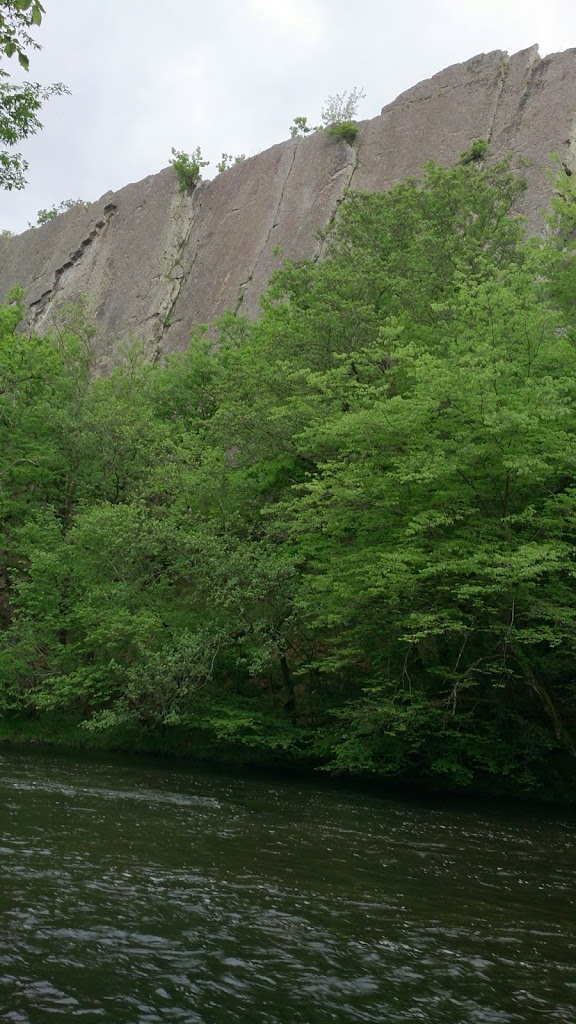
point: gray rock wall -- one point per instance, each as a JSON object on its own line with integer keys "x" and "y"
{"x": 152, "y": 261}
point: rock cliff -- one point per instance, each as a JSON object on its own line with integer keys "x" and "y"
{"x": 152, "y": 260}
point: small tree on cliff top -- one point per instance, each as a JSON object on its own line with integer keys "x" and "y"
{"x": 341, "y": 107}
{"x": 337, "y": 116}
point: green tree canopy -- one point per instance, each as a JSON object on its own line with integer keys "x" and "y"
{"x": 345, "y": 532}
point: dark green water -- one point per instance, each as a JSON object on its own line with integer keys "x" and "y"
{"x": 136, "y": 893}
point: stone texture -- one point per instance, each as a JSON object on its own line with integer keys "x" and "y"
{"x": 248, "y": 220}
{"x": 536, "y": 116}
{"x": 435, "y": 120}
{"x": 123, "y": 253}
{"x": 152, "y": 261}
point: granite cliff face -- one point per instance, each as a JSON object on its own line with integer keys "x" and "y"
{"x": 152, "y": 261}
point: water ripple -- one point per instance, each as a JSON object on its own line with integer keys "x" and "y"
{"x": 206, "y": 899}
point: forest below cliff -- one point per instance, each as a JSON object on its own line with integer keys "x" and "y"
{"x": 341, "y": 536}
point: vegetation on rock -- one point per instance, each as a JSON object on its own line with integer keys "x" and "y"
{"x": 341, "y": 107}
{"x": 188, "y": 168}
{"x": 337, "y": 117}
{"x": 300, "y": 127}
{"x": 54, "y": 211}
{"x": 477, "y": 151}
{"x": 229, "y": 161}
{"x": 343, "y": 131}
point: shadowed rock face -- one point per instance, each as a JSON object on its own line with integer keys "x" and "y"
{"x": 152, "y": 261}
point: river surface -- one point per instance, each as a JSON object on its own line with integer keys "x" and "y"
{"x": 136, "y": 892}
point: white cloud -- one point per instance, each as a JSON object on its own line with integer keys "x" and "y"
{"x": 551, "y": 25}
{"x": 298, "y": 16}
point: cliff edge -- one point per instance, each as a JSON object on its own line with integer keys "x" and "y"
{"x": 152, "y": 260}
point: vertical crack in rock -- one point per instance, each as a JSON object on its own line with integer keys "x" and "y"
{"x": 533, "y": 67}
{"x": 182, "y": 216}
{"x": 352, "y": 166}
{"x": 514, "y": 96}
{"x": 521, "y": 129}
{"x": 355, "y": 162}
{"x": 570, "y": 159}
{"x": 274, "y": 222}
{"x": 504, "y": 68}
{"x": 38, "y": 309}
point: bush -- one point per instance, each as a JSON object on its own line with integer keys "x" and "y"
{"x": 187, "y": 167}
{"x": 477, "y": 151}
{"x": 54, "y": 211}
{"x": 344, "y": 131}
{"x": 229, "y": 161}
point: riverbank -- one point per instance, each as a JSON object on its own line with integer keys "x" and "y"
{"x": 66, "y": 734}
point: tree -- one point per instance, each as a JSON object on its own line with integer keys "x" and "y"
{"x": 16, "y": 17}
{"x": 19, "y": 104}
{"x": 423, "y": 377}
{"x": 300, "y": 127}
{"x": 341, "y": 107}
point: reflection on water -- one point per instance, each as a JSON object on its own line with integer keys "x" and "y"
{"x": 133, "y": 893}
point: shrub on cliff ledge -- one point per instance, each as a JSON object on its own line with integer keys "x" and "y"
{"x": 337, "y": 117}
{"x": 229, "y": 161}
{"x": 476, "y": 153}
{"x": 187, "y": 167}
{"x": 54, "y": 211}
{"x": 343, "y": 131}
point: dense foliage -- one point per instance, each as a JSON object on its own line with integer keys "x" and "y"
{"x": 345, "y": 533}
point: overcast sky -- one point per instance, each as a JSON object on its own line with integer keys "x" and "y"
{"x": 230, "y": 75}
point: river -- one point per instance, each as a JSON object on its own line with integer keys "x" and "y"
{"x": 136, "y": 892}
